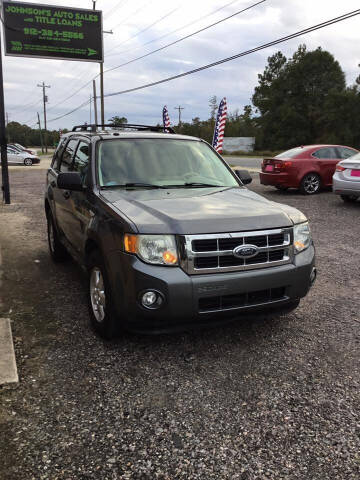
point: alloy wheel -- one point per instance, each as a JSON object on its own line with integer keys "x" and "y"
{"x": 311, "y": 184}
{"x": 97, "y": 294}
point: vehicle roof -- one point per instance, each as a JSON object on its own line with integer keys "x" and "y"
{"x": 117, "y": 134}
{"x": 322, "y": 145}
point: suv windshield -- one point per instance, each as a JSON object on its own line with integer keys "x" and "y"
{"x": 160, "y": 162}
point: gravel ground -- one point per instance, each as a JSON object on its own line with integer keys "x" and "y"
{"x": 264, "y": 399}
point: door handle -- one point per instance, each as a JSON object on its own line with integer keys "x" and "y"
{"x": 66, "y": 194}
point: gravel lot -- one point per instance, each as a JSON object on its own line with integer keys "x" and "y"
{"x": 265, "y": 399}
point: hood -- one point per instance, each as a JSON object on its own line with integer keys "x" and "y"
{"x": 200, "y": 210}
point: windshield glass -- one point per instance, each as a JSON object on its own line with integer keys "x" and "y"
{"x": 162, "y": 162}
{"x": 291, "y": 153}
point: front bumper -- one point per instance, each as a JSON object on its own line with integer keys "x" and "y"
{"x": 345, "y": 187}
{"x": 184, "y": 295}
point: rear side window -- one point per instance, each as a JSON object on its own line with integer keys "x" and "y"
{"x": 346, "y": 152}
{"x": 326, "y": 153}
{"x": 68, "y": 155}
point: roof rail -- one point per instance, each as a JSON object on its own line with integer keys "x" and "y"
{"x": 94, "y": 127}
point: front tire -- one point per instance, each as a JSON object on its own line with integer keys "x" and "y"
{"x": 310, "y": 184}
{"x": 102, "y": 310}
{"x": 349, "y": 198}
{"x": 28, "y": 162}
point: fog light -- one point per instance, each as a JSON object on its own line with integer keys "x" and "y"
{"x": 151, "y": 299}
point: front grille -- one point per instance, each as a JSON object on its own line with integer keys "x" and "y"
{"x": 215, "y": 252}
{"x": 241, "y": 300}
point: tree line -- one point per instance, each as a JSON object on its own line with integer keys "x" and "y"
{"x": 299, "y": 100}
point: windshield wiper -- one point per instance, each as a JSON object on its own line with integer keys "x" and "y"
{"x": 195, "y": 184}
{"x": 133, "y": 185}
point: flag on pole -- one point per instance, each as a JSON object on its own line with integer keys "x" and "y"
{"x": 166, "y": 118}
{"x": 219, "y": 130}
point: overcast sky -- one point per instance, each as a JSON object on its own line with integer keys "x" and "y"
{"x": 235, "y": 80}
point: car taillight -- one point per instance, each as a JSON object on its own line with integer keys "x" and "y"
{"x": 281, "y": 165}
{"x": 339, "y": 168}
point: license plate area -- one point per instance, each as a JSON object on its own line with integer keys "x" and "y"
{"x": 355, "y": 173}
{"x": 269, "y": 168}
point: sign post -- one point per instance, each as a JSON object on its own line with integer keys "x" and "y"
{"x": 3, "y": 143}
{"x": 46, "y": 31}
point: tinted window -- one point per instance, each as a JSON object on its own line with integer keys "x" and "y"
{"x": 326, "y": 153}
{"x": 57, "y": 154}
{"x": 81, "y": 160}
{"x": 68, "y": 156}
{"x": 346, "y": 152}
{"x": 294, "y": 152}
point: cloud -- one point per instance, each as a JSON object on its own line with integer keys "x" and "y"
{"x": 236, "y": 80}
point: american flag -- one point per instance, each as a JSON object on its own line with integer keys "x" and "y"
{"x": 220, "y": 126}
{"x": 166, "y": 118}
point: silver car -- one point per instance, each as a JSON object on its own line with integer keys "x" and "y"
{"x": 20, "y": 158}
{"x": 346, "y": 179}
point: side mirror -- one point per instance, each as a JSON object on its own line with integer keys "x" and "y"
{"x": 244, "y": 176}
{"x": 70, "y": 181}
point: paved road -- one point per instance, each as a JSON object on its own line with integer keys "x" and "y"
{"x": 264, "y": 399}
{"x": 250, "y": 162}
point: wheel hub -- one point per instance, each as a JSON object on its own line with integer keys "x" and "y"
{"x": 97, "y": 294}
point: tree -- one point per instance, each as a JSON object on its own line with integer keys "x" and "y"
{"x": 292, "y": 95}
{"x": 116, "y": 120}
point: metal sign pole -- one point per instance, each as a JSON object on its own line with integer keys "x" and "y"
{"x": 4, "y": 160}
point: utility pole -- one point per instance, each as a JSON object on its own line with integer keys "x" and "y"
{"x": 95, "y": 102}
{"x": 7, "y": 118}
{"x": 102, "y": 103}
{"x": 45, "y": 99}
{"x": 41, "y": 139}
{"x": 179, "y": 108}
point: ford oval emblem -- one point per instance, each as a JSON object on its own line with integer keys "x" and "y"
{"x": 246, "y": 251}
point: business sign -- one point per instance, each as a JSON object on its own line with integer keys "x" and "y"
{"x": 46, "y": 31}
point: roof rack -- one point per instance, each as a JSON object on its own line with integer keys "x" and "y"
{"x": 94, "y": 127}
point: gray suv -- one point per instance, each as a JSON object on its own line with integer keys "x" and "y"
{"x": 168, "y": 233}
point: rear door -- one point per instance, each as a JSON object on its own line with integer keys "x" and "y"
{"x": 326, "y": 159}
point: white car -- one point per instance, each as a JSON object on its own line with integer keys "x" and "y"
{"x": 23, "y": 158}
{"x": 346, "y": 179}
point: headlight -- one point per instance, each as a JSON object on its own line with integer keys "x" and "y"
{"x": 155, "y": 249}
{"x": 302, "y": 237}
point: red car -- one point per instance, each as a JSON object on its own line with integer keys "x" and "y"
{"x": 307, "y": 167}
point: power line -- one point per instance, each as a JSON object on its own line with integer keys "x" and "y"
{"x": 176, "y": 30}
{"x": 69, "y": 113}
{"x": 186, "y": 37}
{"x": 131, "y": 15}
{"x": 145, "y": 29}
{"x": 243, "y": 54}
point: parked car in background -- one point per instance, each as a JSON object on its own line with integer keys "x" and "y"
{"x": 15, "y": 157}
{"x": 346, "y": 179}
{"x": 20, "y": 148}
{"x": 308, "y": 167}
